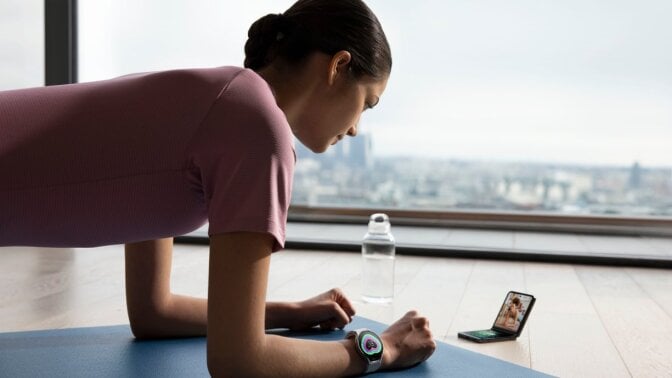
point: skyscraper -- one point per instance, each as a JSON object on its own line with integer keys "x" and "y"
{"x": 635, "y": 180}
{"x": 360, "y": 152}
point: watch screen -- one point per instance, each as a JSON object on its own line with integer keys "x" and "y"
{"x": 371, "y": 345}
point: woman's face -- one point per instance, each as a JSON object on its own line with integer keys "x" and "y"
{"x": 334, "y": 110}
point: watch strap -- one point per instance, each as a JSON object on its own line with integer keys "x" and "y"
{"x": 371, "y": 365}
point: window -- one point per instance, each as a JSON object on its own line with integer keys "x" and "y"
{"x": 118, "y": 37}
{"x": 561, "y": 107}
{"x": 21, "y": 44}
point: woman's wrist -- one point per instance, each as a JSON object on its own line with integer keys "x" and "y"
{"x": 389, "y": 353}
{"x": 280, "y": 314}
{"x": 357, "y": 363}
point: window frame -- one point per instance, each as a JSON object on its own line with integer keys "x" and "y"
{"x": 499, "y": 220}
{"x": 60, "y": 42}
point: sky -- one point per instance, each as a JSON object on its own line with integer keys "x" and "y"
{"x": 21, "y": 43}
{"x": 572, "y": 81}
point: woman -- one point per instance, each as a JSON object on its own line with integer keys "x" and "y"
{"x": 142, "y": 158}
{"x": 512, "y": 312}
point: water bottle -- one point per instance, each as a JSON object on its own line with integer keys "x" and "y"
{"x": 378, "y": 261}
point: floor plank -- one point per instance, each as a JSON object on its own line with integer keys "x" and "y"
{"x": 657, "y": 284}
{"x": 434, "y": 292}
{"x": 63, "y": 288}
{"x": 333, "y": 270}
{"x": 287, "y": 268}
{"x": 488, "y": 284}
{"x": 639, "y": 328}
{"x": 573, "y": 345}
{"x": 189, "y": 275}
{"x": 564, "y": 319}
{"x": 406, "y": 269}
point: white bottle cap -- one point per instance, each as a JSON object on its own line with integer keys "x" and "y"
{"x": 379, "y": 224}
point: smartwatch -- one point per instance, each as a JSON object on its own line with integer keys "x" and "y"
{"x": 369, "y": 346}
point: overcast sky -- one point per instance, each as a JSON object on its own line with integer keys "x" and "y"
{"x": 573, "y": 81}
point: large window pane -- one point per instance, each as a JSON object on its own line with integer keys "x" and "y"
{"x": 21, "y": 43}
{"x": 561, "y": 106}
{"x": 533, "y": 105}
{"x": 118, "y": 37}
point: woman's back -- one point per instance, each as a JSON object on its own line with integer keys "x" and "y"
{"x": 113, "y": 155}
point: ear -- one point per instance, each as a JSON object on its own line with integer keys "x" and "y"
{"x": 338, "y": 66}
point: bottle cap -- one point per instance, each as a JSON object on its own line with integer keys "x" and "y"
{"x": 379, "y": 223}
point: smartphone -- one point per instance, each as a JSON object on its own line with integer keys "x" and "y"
{"x": 509, "y": 322}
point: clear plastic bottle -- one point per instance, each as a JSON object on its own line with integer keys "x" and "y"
{"x": 378, "y": 250}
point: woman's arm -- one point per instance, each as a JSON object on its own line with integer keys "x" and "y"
{"x": 237, "y": 343}
{"x": 329, "y": 310}
{"x": 152, "y": 309}
{"x": 155, "y": 312}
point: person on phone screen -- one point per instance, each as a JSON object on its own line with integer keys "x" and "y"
{"x": 512, "y": 311}
{"x": 145, "y": 157}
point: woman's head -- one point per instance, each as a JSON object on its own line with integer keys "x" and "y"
{"x": 326, "y": 26}
{"x": 327, "y": 61}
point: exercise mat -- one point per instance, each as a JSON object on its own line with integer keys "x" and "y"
{"x": 111, "y": 351}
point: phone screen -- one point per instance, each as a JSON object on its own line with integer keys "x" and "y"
{"x": 513, "y": 311}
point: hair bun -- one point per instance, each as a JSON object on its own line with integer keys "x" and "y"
{"x": 267, "y": 25}
{"x": 261, "y": 38}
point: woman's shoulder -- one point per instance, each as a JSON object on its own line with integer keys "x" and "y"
{"x": 247, "y": 87}
{"x": 246, "y": 111}
{"x": 250, "y": 96}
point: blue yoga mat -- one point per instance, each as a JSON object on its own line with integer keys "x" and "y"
{"x": 113, "y": 352}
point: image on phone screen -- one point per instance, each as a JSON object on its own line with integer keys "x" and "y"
{"x": 509, "y": 321}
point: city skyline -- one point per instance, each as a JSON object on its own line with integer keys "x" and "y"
{"x": 341, "y": 178}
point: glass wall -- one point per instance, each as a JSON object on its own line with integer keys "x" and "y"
{"x": 533, "y": 105}
{"x": 21, "y": 43}
{"x": 117, "y": 37}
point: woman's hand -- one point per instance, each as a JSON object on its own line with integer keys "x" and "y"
{"x": 329, "y": 310}
{"x": 407, "y": 342}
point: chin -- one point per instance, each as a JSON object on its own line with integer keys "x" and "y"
{"x": 320, "y": 149}
{"x": 316, "y": 148}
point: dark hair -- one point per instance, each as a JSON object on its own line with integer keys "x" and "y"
{"x": 327, "y": 26}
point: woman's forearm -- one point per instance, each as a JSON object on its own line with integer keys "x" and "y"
{"x": 279, "y": 314}
{"x": 282, "y": 356}
{"x": 187, "y": 316}
{"x": 315, "y": 358}
{"x": 177, "y": 316}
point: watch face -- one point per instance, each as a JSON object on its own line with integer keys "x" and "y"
{"x": 370, "y": 345}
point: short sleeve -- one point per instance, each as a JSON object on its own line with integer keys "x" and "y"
{"x": 244, "y": 156}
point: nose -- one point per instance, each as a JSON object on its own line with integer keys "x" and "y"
{"x": 352, "y": 131}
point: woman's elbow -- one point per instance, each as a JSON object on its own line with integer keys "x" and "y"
{"x": 142, "y": 330}
{"x": 147, "y": 325}
{"x": 229, "y": 367}
{"x": 234, "y": 362}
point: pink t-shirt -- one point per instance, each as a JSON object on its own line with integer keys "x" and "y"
{"x": 142, "y": 157}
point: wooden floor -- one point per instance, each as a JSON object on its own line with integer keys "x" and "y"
{"x": 589, "y": 321}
